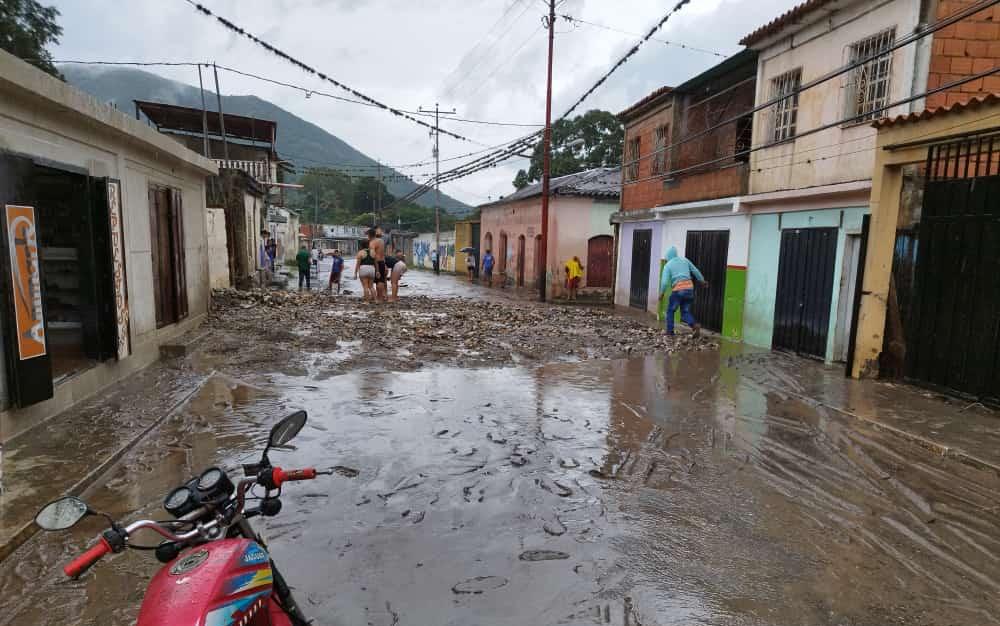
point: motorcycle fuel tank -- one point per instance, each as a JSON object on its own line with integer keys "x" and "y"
{"x": 222, "y": 583}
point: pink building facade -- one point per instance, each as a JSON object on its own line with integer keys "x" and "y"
{"x": 580, "y": 208}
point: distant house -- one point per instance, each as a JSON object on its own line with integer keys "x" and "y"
{"x": 250, "y": 181}
{"x": 580, "y": 208}
{"x": 105, "y": 227}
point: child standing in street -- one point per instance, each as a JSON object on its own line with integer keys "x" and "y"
{"x": 336, "y": 269}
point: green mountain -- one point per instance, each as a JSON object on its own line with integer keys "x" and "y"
{"x": 296, "y": 136}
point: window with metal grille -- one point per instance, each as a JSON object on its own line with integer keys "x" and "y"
{"x": 632, "y": 160}
{"x": 785, "y": 113}
{"x": 662, "y": 136}
{"x": 868, "y": 89}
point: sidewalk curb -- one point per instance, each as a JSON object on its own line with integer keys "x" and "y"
{"x": 949, "y": 452}
{"x": 28, "y": 531}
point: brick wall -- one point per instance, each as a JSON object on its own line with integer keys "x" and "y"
{"x": 966, "y": 47}
{"x": 645, "y": 193}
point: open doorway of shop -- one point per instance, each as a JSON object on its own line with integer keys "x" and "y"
{"x": 70, "y": 268}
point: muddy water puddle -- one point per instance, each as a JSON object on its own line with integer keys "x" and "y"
{"x": 677, "y": 490}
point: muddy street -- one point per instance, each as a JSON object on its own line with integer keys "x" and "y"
{"x": 688, "y": 483}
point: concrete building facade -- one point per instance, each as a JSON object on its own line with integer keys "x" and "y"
{"x": 580, "y": 208}
{"x": 109, "y": 290}
{"x": 808, "y": 194}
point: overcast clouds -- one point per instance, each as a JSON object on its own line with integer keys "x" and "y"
{"x": 411, "y": 53}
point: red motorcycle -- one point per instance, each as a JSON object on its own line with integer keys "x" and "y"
{"x": 217, "y": 569}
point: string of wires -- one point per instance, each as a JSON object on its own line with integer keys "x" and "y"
{"x": 915, "y": 36}
{"x": 303, "y": 66}
{"x": 576, "y": 20}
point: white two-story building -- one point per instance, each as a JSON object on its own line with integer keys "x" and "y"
{"x": 810, "y": 179}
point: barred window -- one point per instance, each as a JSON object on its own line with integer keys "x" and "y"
{"x": 785, "y": 113}
{"x": 868, "y": 90}
{"x": 632, "y": 159}
{"x": 662, "y": 136}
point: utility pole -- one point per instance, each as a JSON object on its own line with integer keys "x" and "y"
{"x": 204, "y": 116}
{"x": 378, "y": 188}
{"x": 546, "y": 162}
{"x": 222, "y": 118}
{"x": 437, "y": 170}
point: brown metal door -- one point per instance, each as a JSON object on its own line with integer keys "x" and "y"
{"x": 520, "y": 261}
{"x": 708, "y": 250}
{"x": 599, "y": 256}
{"x": 160, "y": 236}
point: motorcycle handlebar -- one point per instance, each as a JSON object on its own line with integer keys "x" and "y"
{"x": 280, "y": 476}
{"x": 82, "y": 563}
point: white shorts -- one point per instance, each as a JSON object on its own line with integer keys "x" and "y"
{"x": 367, "y": 272}
{"x": 398, "y": 269}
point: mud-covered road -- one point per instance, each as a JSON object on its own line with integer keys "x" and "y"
{"x": 689, "y": 487}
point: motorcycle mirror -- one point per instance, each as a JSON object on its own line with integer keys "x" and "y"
{"x": 286, "y": 430}
{"x": 62, "y": 513}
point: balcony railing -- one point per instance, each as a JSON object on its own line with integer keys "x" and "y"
{"x": 262, "y": 171}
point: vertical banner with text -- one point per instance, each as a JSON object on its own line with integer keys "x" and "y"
{"x": 26, "y": 282}
{"x": 118, "y": 268}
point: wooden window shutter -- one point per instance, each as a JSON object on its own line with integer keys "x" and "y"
{"x": 154, "y": 250}
{"x": 180, "y": 267}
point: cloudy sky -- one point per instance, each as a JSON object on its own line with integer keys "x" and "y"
{"x": 485, "y": 58}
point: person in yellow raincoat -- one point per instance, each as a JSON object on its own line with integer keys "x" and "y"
{"x": 574, "y": 276}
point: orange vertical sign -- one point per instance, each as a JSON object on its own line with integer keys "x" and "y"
{"x": 26, "y": 281}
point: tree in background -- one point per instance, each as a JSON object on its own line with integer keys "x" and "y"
{"x": 332, "y": 197}
{"x": 26, "y": 27}
{"x": 591, "y": 140}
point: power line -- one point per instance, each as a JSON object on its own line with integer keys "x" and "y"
{"x": 395, "y": 111}
{"x": 576, "y": 20}
{"x": 626, "y": 57}
{"x": 818, "y": 129}
{"x": 503, "y": 63}
{"x": 506, "y": 12}
{"x": 485, "y": 54}
{"x": 917, "y": 35}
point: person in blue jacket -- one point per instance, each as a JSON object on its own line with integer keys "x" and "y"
{"x": 677, "y": 279}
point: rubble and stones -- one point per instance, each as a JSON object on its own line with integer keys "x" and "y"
{"x": 342, "y": 333}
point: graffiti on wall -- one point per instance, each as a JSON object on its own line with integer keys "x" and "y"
{"x": 118, "y": 268}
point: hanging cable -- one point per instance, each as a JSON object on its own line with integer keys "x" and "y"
{"x": 576, "y": 20}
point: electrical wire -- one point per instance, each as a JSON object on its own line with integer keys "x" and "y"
{"x": 361, "y": 96}
{"x": 915, "y": 36}
{"x": 576, "y": 20}
{"x": 505, "y": 62}
{"x": 821, "y": 128}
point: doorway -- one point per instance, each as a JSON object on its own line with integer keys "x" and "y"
{"x": 642, "y": 245}
{"x": 600, "y": 250}
{"x": 520, "y": 261}
{"x": 166, "y": 232}
{"x": 805, "y": 290}
{"x": 502, "y": 259}
{"x": 845, "y": 302}
{"x": 709, "y": 251}
{"x": 539, "y": 269}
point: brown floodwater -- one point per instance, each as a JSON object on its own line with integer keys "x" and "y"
{"x": 687, "y": 489}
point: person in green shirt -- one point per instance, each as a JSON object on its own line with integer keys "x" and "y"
{"x": 303, "y": 260}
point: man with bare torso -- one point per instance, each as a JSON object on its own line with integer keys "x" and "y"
{"x": 377, "y": 247}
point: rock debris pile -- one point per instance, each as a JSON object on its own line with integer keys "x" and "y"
{"x": 342, "y": 332}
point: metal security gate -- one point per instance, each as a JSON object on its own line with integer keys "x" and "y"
{"x": 642, "y": 244}
{"x": 709, "y": 250}
{"x": 805, "y": 290}
{"x": 953, "y": 322}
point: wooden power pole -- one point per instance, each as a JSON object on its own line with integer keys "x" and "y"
{"x": 437, "y": 171}
{"x": 546, "y": 162}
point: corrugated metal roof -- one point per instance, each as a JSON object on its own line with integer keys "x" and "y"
{"x": 785, "y": 19}
{"x": 926, "y": 114}
{"x": 601, "y": 182}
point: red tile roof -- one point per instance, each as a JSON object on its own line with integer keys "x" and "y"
{"x": 785, "y": 19}
{"x": 958, "y": 107}
{"x": 635, "y": 108}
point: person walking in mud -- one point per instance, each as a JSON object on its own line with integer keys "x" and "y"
{"x": 678, "y": 276}
{"x": 364, "y": 270}
{"x": 488, "y": 262}
{"x": 377, "y": 248}
{"x": 396, "y": 270}
{"x": 304, "y": 262}
{"x": 336, "y": 268}
{"x": 434, "y": 262}
{"x": 574, "y": 274}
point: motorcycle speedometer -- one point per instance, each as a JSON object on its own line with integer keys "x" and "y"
{"x": 180, "y": 501}
{"x": 214, "y": 481}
